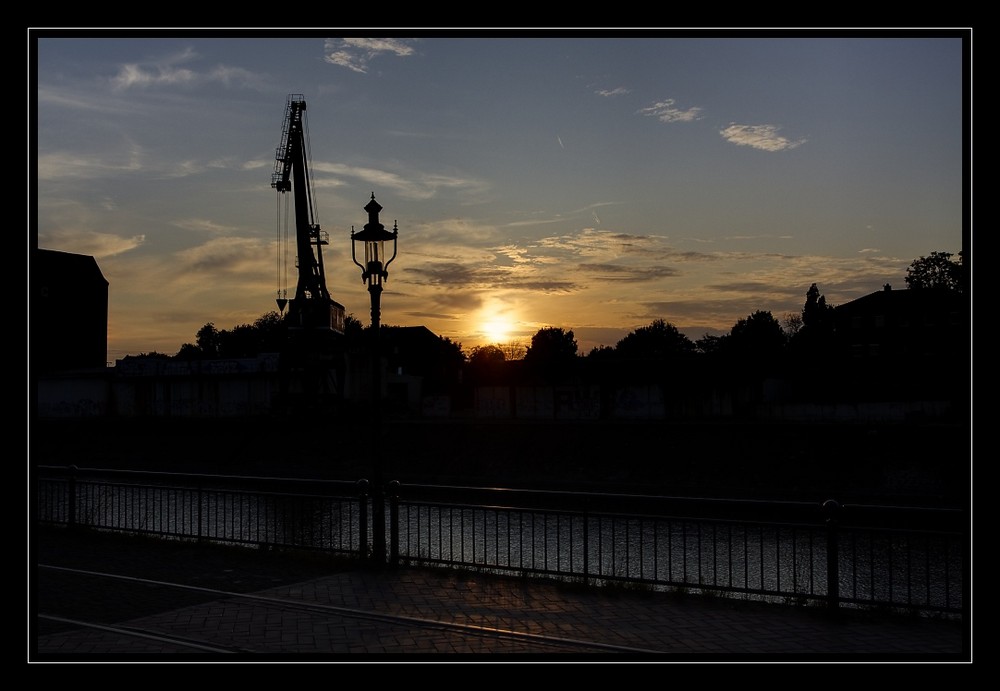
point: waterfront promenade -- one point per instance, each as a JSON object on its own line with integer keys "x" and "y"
{"x": 100, "y": 598}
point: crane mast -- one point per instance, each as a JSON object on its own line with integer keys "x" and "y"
{"x": 311, "y": 307}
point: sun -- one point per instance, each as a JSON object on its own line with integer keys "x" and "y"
{"x": 496, "y": 330}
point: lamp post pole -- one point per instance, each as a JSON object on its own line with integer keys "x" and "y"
{"x": 378, "y": 492}
{"x": 374, "y": 273}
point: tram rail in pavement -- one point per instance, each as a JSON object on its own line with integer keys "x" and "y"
{"x": 111, "y": 598}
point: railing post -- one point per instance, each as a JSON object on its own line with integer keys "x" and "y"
{"x": 362, "y": 487}
{"x": 71, "y": 498}
{"x": 199, "y": 497}
{"x": 586, "y": 543}
{"x": 832, "y": 510}
{"x": 393, "y": 496}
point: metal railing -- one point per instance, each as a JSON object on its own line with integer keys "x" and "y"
{"x": 897, "y": 558}
{"x": 323, "y": 515}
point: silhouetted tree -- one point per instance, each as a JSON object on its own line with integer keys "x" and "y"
{"x": 658, "y": 340}
{"x": 513, "y": 350}
{"x": 486, "y": 355}
{"x": 936, "y": 271}
{"x": 239, "y": 342}
{"x": 271, "y": 332}
{"x": 758, "y": 336}
{"x": 816, "y": 314}
{"x": 189, "y": 351}
{"x": 207, "y": 340}
{"x": 792, "y": 324}
{"x": 485, "y": 365}
{"x": 709, "y": 344}
{"x": 552, "y": 354}
{"x": 443, "y": 371}
{"x": 815, "y": 337}
{"x": 601, "y": 352}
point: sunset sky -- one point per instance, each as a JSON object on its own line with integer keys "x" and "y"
{"x": 589, "y": 183}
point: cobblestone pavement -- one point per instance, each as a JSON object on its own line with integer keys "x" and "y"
{"x": 247, "y": 605}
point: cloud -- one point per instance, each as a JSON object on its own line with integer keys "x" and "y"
{"x": 56, "y": 166}
{"x": 356, "y": 53}
{"x": 666, "y": 111}
{"x": 168, "y": 72}
{"x": 416, "y": 185}
{"x": 764, "y": 236}
{"x": 226, "y": 255}
{"x": 203, "y": 225}
{"x": 562, "y": 217}
{"x": 763, "y": 137}
{"x": 609, "y": 93}
{"x": 629, "y": 274}
{"x": 91, "y": 244}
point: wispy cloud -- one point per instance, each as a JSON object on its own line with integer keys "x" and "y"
{"x": 91, "y": 244}
{"x": 667, "y": 111}
{"x": 763, "y": 137}
{"x": 170, "y": 72}
{"x": 609, "y": 93}
{"x": 356, "y": 53}
{"x": 226, "y": 255}
{"x": 62, "y": 166}
{"x": 203, "y": 225}
{"x": 411, "y": 185}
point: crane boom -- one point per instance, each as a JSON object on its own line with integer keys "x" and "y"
{"x": 312, "y": 307}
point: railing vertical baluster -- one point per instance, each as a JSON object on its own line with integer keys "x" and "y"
{"x": 393, "y": 488}
{"x": 71, "y": 518}
{"x": 832, "y": 510}
{"x": 198, "y": 496}
{"x": 884, "y": 564}
{"x": 362, "y": 488}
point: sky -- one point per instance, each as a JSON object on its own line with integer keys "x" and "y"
{"x": 593, "y": 183}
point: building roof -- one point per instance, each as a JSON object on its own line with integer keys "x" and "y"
{"x": 52, "y": 266}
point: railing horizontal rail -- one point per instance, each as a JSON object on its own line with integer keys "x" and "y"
{"x": 911, "y": 558}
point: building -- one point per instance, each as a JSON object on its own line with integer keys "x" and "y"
{"x": 912, "y": 326}
{"x": 67, "y": 312}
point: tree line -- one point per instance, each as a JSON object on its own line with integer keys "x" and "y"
{"x": 758, "y": 338}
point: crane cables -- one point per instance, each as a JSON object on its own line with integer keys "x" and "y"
{"x": 306, "y": 157}
{"x": 281, "y": 245}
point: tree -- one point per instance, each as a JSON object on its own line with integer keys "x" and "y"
{"x": 792, "y": 324}
{"x": 658, "y": 340}
{"x": 814, "y": 337}
{"x": 816, "y": 314}
{"x": 601, "y": 352}
{"x": 486, "y": 355}
{"x": 552, "y": 353}
{"x": 486, "y": 365}
{"x": 758, "y": 336}
{"x": 513, "y": 350}
{"x": 711, "y": 344}
{"x": 207, "y": 340}
{"x": 271, "y": 332}
{"x": 936, "y": 271}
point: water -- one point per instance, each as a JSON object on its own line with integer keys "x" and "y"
{"x": 923, "y": 570}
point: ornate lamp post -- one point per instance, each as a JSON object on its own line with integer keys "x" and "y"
{"x": 374, "y": 272}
